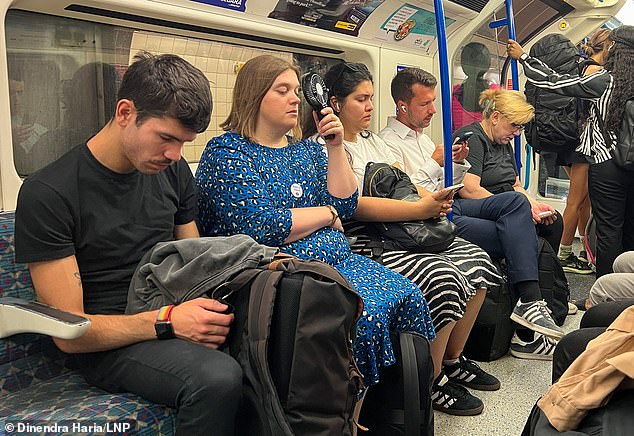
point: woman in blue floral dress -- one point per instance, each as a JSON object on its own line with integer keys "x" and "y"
{"x": 286, "y": 192}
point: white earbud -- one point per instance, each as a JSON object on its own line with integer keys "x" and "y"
{"x": 404, "y": 109}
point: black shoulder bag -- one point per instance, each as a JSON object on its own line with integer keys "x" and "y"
{"x": 623, "y": 153}
{"x": 427, "y": 236}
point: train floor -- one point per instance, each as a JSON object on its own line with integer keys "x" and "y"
{"x": 523, "y": 382}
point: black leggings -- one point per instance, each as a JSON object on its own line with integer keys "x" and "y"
{"x": 593, "y": 323}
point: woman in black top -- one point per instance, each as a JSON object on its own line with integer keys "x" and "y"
{"x": 492, "y": 159}
{"x": 493, "y": 176}
{"x": 611, "y": 187}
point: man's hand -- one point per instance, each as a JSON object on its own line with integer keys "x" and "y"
{"x": 514, "y": 50}
{"x": 439, "y": 155}
{"x": 543, "y": 207}
{"x": 21, "y": 133}
{"x": 202, "y": 321}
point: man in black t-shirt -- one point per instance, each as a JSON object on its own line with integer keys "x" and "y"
{"x": 84, "y": 222}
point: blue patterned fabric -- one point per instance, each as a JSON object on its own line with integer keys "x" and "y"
{"x": 248, "y": 188}
{"x": 37, "y": 384}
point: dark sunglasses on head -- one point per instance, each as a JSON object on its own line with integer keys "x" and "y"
{"x": 350, "y": 66}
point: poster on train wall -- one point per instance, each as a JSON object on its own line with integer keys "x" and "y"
{"x": 234, "y": 5}
{"x": 411, "y": 26}
{"x": 342, "y": 16}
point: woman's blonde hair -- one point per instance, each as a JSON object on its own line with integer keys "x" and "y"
{"x": 511, "y": 104}
{"x": 254, "y": 80}
{"x": 597, "y": 42}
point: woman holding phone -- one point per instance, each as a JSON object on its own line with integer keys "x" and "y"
{"x": 454, "y": 282}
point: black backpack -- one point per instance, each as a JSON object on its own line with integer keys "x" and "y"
{"x": 292, "y": 335}
{"x": 552, "y": 281}
{"x": 400, "y": 404}
{"x": 490, "y": 337}
{"x": 557, "y": 121}
{"x": 623, "y": 153}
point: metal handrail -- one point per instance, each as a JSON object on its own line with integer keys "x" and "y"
{"x": 509, "y": 22}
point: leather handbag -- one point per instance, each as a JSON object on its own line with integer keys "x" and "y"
{"x": 428, "y": 236}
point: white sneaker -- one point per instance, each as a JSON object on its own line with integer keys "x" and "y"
{"x": 572, "y": 309}
{"x": 541, "y": 348}
{"x": 535, "y": 315}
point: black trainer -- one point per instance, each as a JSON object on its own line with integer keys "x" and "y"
{"x": 468, "y": 373}
{"x": 453, "y": 399}
{"x": 573, "y": 264}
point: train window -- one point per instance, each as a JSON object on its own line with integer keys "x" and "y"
{"x": 476, "y": 68}
{"x": 479, "y": 63}
{"x": 64, "y": 74}
{"x": 312, "y": 64}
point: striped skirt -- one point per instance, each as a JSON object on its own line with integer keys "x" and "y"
{"x": 447, "y": 279}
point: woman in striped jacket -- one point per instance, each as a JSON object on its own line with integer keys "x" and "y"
{"x": 611, "y": 187}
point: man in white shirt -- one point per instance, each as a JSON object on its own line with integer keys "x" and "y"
{"x": 414, "y": 93}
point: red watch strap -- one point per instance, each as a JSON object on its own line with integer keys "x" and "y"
{"x": 165, "y": 313}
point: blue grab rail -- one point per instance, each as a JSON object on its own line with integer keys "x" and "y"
{"x": 444, "y": 89}
{"x": 509, "y": 22}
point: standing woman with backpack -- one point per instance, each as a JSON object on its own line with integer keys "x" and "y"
{"x": 577, "y": 211}
{"x": 611, "y": 187}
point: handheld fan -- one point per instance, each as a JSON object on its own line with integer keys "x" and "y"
{"x": 316, "y": 94}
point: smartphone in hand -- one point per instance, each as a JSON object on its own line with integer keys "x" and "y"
{"x": 453, "y": 188}
{"x": 545, "y": 214}
{"x": 464, "y": 137}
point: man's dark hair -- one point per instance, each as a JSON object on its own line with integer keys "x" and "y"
{"x": 167, "y": 85}
{"x": 405, "y": 79}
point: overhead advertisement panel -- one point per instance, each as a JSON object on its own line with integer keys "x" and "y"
{"x": 234, "y": 5}
{"x": 411, "y": 26}
{"x": 342, "y": 16}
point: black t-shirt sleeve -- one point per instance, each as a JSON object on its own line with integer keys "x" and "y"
{"x": 476, "y": 154}
{"x": 43, "y": 224}
{"x": 187, "y": 205}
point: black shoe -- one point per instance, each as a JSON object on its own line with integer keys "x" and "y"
{"x": 573, "y": 264}
{"x": 468, "y": 373}
{"x": 453, "y": 399}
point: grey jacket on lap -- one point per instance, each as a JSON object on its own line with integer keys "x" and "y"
{"x": 176, "y": 271}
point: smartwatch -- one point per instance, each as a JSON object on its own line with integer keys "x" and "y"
{"x": 163, "y": 324}
{"x": 523, "y": 56}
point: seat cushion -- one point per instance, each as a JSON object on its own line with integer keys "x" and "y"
{"x": 68, "y": 399}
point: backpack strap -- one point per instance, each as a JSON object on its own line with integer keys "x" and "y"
{"x": 260, "y": 312}
{"x": 411, "y": 385}
{"x": 236, "y": 283}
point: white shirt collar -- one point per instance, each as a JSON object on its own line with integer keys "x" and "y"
{"x": 399, "y": 128}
